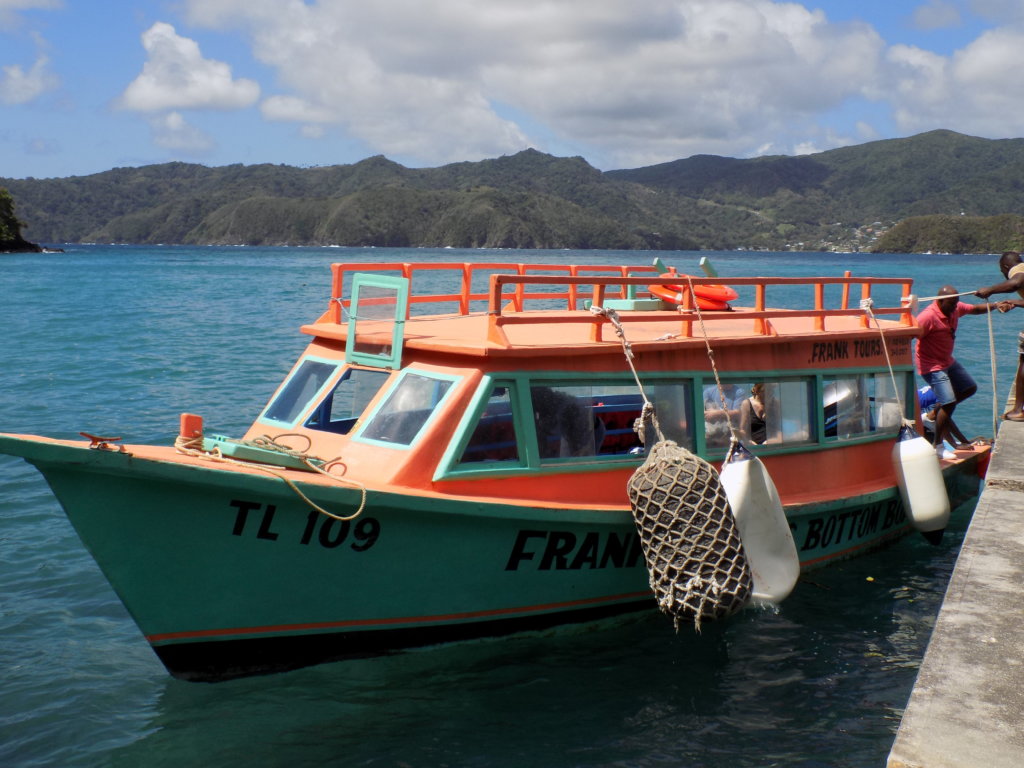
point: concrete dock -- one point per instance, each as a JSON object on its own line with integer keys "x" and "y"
{"x": 967, "y": 706}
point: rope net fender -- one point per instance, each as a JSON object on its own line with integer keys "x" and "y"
{"x": 695, "y": 560}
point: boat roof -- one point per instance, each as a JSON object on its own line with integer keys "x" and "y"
{"x": 518, "y": 309}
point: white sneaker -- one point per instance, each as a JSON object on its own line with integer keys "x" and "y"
{"x": 944, "y": 453}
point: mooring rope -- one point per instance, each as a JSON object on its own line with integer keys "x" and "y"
{"x": 733, "y": 437}
{"x": 867, "y": 305}
{"x": 945, "y": 296}
{"x": 193, "y": 446}
{"x": 647, "y": 410}
{"x": 696, "y": 566}
{"x": 992, "y": 364}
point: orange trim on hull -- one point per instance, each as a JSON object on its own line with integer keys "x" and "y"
{"x": 207, "y": 633}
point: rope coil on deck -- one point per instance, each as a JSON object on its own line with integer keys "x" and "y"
{"x": 193, "y": 446}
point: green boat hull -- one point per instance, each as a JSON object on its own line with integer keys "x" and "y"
{"x": 229, "y": 573}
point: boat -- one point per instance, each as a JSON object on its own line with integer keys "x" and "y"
{"x": 448, "y": 459}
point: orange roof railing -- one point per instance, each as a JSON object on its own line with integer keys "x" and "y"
{"x": 572, "y": 275}
{"x": 507, "y": 296}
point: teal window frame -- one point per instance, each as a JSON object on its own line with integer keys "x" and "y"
{"x": 530, "y": 462}
{"x": 451, "y": 465}
{"x": 906, "y": 399}
{"x": 815, "y": 420}
{"x": 400, "y": 285}
{"x": 344, "y": 425}
{"x": 311, "y": 402}
{"x": 383, "y": 400}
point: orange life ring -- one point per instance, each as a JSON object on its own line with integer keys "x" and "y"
{"x": 707, "y": 296}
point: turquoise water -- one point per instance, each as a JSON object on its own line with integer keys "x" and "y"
{"x": 119, "y": 340}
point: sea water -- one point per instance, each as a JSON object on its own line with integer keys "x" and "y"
{"x": 118, "y": 340}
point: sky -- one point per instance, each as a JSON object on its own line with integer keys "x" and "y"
{"x": 90, "y": 85}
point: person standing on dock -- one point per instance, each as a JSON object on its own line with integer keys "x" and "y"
{"x": 1012, "y": 267}
{"x": 949, "y": 380}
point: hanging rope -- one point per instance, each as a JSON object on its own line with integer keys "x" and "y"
{"x": 647, "y": 411}
{"x": 696, "y": 565}
{"x": 194, "y": 447}
{"x": 992, "y": 363}
{"x": 733, "y": 437}
{"x": 867, "y": 305}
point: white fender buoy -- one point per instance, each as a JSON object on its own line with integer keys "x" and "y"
{"x": 921, "y": 484}
{"x": 762, "y": 525}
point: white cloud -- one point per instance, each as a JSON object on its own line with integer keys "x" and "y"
{"x": 626, "y": 84}
{"x": 20, "y": 87}
{"x": 971, "y": 91}
{"x": 999, "y": 11}
{"x": 41, "y": 146}
{"x": 635, "y": 82}
{"x": 171, "y": 131}
{"x": 936, "y": 14}
{"x": 9, "y": 9}
{"x": 294, "y": 108}
{"x": 176, "y": 76}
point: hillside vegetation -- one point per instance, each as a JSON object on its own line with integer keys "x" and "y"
{"x": 840, "y": 200}
{"x": 10, "y": 228}
{"x": 954, "y": 234}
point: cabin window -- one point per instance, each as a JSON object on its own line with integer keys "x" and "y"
{"x": 341, "y": 408}
{"x": 406, "y": 409}
{"x": 585, "y": 420}
{"x": 300, "y": 390}
{"x": 761, "y": 412}
{"x": 862, "y": 404}
{"x": 884, "y": 405}
{"x": 789, "y": 416}
{"x": 494, "y": 436}
{"x": 673, "y": 406}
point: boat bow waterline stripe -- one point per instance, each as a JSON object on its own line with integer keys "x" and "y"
{"x": 314, "y": 626}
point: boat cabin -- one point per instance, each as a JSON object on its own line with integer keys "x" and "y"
{"x": 514, "y": 385}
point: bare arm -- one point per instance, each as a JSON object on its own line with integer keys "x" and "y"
{"x": 1010, "y": 285}
{"x": 981, "y": 309}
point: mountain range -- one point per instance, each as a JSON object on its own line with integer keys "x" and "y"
{"x": 852, "y": 198}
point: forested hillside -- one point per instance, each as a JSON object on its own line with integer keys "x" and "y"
{"x": 10, "y": 228}
{"x": 841, "y": 199}
{"x": 954, "y": 234}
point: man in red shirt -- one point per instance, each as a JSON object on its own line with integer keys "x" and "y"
{"x": 949, "y": 380}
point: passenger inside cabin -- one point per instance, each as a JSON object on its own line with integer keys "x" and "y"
{"x": 565, "y": 427}
{"x": 722, "y": 408}
{"x": 753, "y": 424}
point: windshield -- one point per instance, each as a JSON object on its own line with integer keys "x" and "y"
{"x": 406, "y": 409}
{"x": 339, "y": 411}
{"x": 299, "y": 391}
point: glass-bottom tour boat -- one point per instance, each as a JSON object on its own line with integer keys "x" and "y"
{"x": 449, "y": 457}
